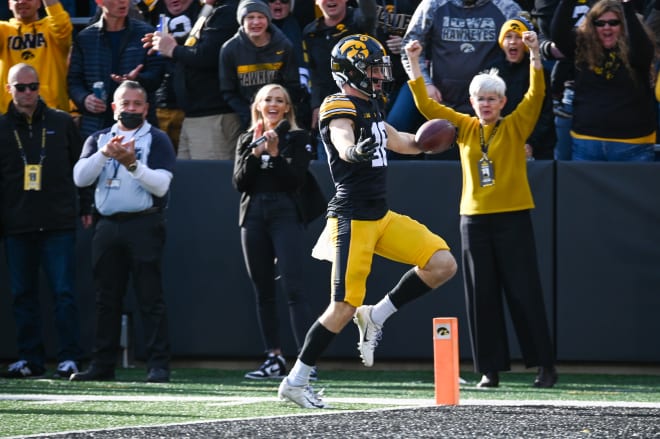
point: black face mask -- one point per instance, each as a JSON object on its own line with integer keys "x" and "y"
{"x": 131, "y": 120}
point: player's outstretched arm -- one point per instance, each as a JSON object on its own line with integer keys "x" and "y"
{"x": 341, "y": 135}
{"x": 398, "y": 141}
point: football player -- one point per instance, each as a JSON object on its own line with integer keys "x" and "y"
{"x": 359, "y": 222}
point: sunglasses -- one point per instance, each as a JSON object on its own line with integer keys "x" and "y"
{"x": 34, "y": 86}
{"x": 602, "y": 23}
{"x": 284, "y": 2}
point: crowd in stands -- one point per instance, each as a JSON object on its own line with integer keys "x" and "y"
{"x": 201, "y": 63}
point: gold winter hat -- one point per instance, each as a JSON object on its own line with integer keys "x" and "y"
{"x": 517, "y": 24}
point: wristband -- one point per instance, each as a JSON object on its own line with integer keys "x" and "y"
{"x": 351, "y": 154}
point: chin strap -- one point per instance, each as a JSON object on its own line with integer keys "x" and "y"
{"x": 371, "y": 95}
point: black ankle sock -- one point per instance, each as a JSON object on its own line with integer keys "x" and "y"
{"x": 409, "y": 288}
{"x": 316, "y": 342}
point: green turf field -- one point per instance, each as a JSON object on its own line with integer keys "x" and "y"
{"x": 48, "y": 406}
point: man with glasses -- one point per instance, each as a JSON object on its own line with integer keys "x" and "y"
{"x": 40, "y": 147}
{"x": 43, "y": 43}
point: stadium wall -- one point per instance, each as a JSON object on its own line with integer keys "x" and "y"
{"x": 597, "y": 229}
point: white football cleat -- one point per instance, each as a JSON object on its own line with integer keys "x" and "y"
{"x": 304, "y": 396}
{"x": 370, "y": 334}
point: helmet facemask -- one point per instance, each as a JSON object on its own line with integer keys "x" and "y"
{"x": 373, "y": 77}
{"x": 360, "y": 62}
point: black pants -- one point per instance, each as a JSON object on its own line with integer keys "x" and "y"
{"x": 499, "y": 256}
{"x": 272, "y": 240}
{"x": 122, "y": 248}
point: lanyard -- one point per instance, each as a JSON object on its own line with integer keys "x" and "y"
{"x": 485, "y": 145}
{"x": 42, "y": 154}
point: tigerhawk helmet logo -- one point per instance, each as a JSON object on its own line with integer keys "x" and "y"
{"x": 353, "y": 49}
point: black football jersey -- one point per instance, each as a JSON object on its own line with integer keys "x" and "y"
{"x": 360, "y": 187}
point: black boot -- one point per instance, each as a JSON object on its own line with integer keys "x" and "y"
{"x": 546, "y": 377}
{"x": 94, "y": 373}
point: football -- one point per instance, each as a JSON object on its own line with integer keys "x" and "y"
{"x": 435, "y": 136}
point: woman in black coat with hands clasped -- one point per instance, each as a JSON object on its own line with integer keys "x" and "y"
{"x": 271, "y": 164}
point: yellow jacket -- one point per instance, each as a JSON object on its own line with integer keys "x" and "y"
{"x": 511, "y": 190}
{"x": 45, "y": 45}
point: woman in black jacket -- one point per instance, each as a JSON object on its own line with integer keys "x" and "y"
{"x": 270, "y": 168}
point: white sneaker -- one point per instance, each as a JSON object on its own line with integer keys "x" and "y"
{"x": 370, "y": 334}
{"x": 304, "y": 396}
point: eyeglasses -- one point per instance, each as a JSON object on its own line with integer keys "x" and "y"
{"x": 602, "y": 23}
{"x": 34, "y": 86}
{"x": 284, "y": 2}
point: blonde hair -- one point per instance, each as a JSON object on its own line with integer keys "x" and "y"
{"x": 261, "y": 95}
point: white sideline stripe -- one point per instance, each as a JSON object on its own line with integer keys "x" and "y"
{"x": 235, "y": 400}
{"x": 211, "y": 399}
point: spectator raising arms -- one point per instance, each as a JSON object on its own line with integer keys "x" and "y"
{"x": 460, "y": 37}
{"x": 514, "y": 70}
{"x": 499, "y": 252}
